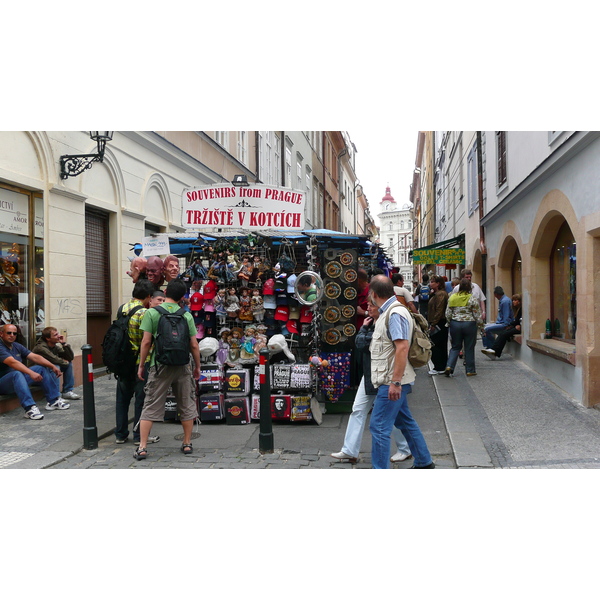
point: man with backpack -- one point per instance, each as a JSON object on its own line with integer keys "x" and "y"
{"x": 128, "y": 384}
{"x": 393, "y": 376}
{"x": 172, "y": 330}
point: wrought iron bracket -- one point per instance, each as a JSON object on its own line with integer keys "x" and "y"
{"x": 75, "y": 164}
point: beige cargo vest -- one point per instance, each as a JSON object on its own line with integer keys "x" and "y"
{"x": 383, "y": 350}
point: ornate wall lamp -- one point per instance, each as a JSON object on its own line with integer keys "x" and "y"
{"x": 75, "y": 164}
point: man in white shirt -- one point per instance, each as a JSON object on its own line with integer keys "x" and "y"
{"x": 476, "y": 291}
{"x": 402, "y": 294}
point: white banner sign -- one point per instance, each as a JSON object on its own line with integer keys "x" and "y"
{"x": 156, "y": 245}
{"x": 253, "y": 208}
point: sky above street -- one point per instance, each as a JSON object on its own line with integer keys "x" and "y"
{"x": 384, "y": 158}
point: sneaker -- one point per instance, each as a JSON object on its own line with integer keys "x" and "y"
{"x": 429, "y": 466}
{"x": 344, "y": 456}
{"x": 34, "y": 414}
{"x": 152, "y": 439}
{"x": 489, "y": 353}
{"x": 58, "y": 405}
{"x": 434, "y": 372}
{"x": 448, "y": 372}
{"x": 71, "y": 396}
{"x": 121, "y": 441}
{"x": 399, "y": 457}
{"x": 471, "y": 374}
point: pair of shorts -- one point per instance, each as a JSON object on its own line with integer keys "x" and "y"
{"x": 160, "y": 379}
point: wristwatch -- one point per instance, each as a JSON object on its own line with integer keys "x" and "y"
{"x": 397, "y": 383}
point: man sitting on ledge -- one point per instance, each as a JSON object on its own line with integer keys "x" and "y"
{"x": 16, "y": 377}
{"x": 52, "y": 346}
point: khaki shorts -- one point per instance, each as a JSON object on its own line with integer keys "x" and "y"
{"x": 160, "y": 379}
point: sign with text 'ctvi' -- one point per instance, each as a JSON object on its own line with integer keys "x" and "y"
{"x": 255, "y": 207}
{"x": 438, "y": 256}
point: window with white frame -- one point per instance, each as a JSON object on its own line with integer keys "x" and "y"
{"x": 261, "y": 156}
{"x": 501, "y": 154}
{"x": 288, "y": 166}
{"x": 222, "y": 138}
{"x": 299, "y": 159}
{"x": 472, "y": 188}
{"x": 243, "y": 147}
{"x": 277, "y": 165}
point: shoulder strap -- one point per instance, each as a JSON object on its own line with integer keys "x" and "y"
{"x": 134, "y": 310}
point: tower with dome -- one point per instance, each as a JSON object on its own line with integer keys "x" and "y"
{"x": 396, "y": 234}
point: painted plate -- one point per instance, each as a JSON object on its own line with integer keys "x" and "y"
{"x": 333, "y": 269}
{"x": 346, "y": 258}
{"x": 349, "y": 275}
{"x": 348, "y": 311}
{"x": 332, "y": 314}
{"x": 331, "y": 336}
{"x": 349, "y": 329}
{"x": 333, "y": 290}
{"x": 350, "y": 293}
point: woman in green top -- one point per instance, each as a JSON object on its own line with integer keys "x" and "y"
{"x": 463, "y": 315}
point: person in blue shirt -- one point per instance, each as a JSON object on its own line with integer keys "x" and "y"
{"x": 505, "y": 314}
{"x": 16, "y": 376}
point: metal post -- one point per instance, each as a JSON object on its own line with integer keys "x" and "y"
{"x": 265, "y": 437}
{"x": 90, "y": 431}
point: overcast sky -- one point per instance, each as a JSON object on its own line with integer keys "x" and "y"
{"x": 384, "y": 159}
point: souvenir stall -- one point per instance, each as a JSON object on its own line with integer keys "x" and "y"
{"x": 265, "y": 281}
{"x": 295, "y": 294}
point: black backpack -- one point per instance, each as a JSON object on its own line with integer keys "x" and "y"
{"x": 172, "y": 343}
{"x": 117, "y": 354}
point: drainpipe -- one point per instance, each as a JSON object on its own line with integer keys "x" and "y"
{"x": 481, "y": 227}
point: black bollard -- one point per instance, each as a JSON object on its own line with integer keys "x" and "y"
{"x": 265, "y": 437}
{"x": 90, "y": 431}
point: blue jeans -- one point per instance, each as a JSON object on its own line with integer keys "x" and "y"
{"x": 356, "y": 424}
{"x": 387, "y": 414}
{"x": 18, "y": 383}
{"x": 68, "y": 378}
{"x": 491, "y": 329}
{"x": 126, "y": 388}
{"x": 463, "y": 332}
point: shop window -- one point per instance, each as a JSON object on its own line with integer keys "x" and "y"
{"x": 22, "y": 262}
{"x": 501, "y": 156}
{"x": 563, "y": 262}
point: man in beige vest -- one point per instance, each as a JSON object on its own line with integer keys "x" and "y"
{"x": 393, "y": 376}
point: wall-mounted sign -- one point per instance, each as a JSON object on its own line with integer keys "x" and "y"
{"x": 438, "y": 256}
{"x": 254, "y": 208}
{"x": 155, "y": 245}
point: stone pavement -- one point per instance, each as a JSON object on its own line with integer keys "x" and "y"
{"x": 510, "y": 417}
{"x": 506, "y": 417}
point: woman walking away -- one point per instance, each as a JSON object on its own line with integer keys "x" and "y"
{"x": 464, "y": 316}
{"x": 513, "y": 328}
{"x": 436, "y": 316}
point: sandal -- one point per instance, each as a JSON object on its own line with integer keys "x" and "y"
{"x": 140, "y": 454}
{"x": 186, "y": 448}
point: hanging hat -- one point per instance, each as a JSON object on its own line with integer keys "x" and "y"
{"x": 269, "y": 302}
{"x": 282, "y": 313}
{"x": 269, "y": 287}
{"x": 280, "y": 285}
{"x": 196, "y": 301}
{"x": 209, "y": 305}
{"x": 210, "y": 289}
{"x": 292, "y": 326}
{"x": 291, "y": 281}
{"x": 306, "y": 315}
{"x": 282, "y": 298}
{"x": 294, "y": 312}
